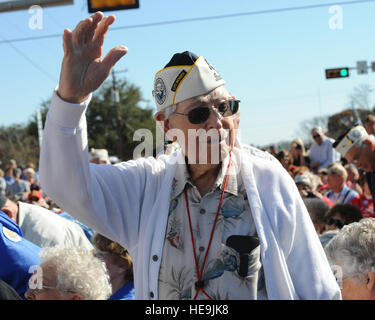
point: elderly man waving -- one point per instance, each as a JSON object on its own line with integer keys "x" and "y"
{"x": 215, "y": 220}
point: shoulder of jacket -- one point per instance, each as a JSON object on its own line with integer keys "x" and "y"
{"x": 257, "y": 153}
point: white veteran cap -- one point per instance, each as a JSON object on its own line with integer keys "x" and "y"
{"x": 184, "y": 77}
{"x": 354, "y": 136}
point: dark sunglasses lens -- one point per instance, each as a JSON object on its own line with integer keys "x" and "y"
{"x": 338, "y": 223}
{"x": 199, "y": 115}
{"x": 228, "y": 108}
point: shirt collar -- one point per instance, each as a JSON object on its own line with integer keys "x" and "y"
{"x": 182, "y": 177}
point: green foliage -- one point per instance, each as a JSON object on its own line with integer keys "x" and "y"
{"x": 111, "y": 125}
{"x": 16, "y": 143}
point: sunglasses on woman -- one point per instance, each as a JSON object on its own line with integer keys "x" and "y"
{"x": 202, "y": 113}
{"x": 338, "y": 223}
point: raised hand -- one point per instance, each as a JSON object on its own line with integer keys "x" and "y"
{"x": 83, "y": 70}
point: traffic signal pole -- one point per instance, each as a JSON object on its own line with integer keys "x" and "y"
{"x": 343, "y": 72}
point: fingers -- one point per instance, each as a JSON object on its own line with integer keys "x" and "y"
{"x": 113, "y": 56}
{"x": 91, "y": 26}
{"x": 67, "y": 41}
{"x": 102, "y": 30}
{"x": 84, "y": 31}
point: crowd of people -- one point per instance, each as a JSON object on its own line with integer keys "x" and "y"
{"x": 50, "y": 255}
{"x": 336, "y": 194}
{"x": 293, "y": 224}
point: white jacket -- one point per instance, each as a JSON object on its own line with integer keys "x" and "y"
{"x": 129, "y": 203}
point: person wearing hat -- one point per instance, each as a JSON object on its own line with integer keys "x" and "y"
{"x": 214, "y": 220}
{"x": 99, "y": 156}
{"x": 307, "y": 184}
{"x": 358, "y": 147}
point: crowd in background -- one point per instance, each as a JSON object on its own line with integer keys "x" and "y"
{"x": 336, "y": 193}
{"x": 50, "y": 255}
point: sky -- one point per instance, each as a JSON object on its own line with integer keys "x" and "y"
{"x": 272, "y": 59}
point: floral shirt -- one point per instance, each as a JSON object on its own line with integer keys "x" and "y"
{"x": 177, "y": 274}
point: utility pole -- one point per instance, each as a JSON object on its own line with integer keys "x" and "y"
{"x": 115, "y": 95}
{"x": 40, "y": 126}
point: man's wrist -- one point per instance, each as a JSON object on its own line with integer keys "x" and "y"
{"x": 74, "y": 100}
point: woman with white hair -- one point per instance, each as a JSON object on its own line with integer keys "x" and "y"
{"x": 69, "y": 273}
{"x": 351, "y": 254}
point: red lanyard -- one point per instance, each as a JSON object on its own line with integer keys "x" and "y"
{"x": 199, "y": 283}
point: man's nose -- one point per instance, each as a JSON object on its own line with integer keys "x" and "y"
{"x": 214, "y": 120}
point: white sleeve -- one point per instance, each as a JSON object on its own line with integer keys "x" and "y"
{"x": 106, "y": 198}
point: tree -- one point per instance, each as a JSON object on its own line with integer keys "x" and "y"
{"x": 111, "y": 125}
{"x": 341, "y": 122}
{"x": 360, "y": 97}
{"x": 305, "y": 127}
{"x": 16, "y": 143}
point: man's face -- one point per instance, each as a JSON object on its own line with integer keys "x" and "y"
{"x": 47, "y": 289}
{"x": 210, "y": 141}
{"x": 335, "y": 181}
{"x": 317, "y": 136}
{"x": 363, "y": 158}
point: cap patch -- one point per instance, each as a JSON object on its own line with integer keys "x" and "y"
{"x": 160, "y": 91}
{"x": 179, "y": 78}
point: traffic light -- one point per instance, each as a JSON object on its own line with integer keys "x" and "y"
{"x": 337, "y": 73}
{"x": 111, "y": 5}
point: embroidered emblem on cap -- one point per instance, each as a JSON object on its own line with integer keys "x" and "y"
{"x": 179, "y": 78}
{"x": 11, "y": 235}
{"x": 160, "y": 91}
{"x": 214, "y": 71}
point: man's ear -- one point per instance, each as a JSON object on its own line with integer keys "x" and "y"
{"x": 371, "y": 281}
{"x": 162, "y": 121}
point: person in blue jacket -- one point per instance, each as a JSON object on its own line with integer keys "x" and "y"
{"x": 18, "y": 256}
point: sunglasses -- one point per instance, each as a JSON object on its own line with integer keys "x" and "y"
{"x": 316, "y": 136}
{"x": 338, "y": 223}
{"x": 202, "y": 113}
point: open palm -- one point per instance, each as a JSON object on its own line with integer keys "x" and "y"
{"x": 83, "y": 70}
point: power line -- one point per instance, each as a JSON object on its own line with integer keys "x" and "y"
{"x": 52, "y": 78}
{"x": 187, "y": 20}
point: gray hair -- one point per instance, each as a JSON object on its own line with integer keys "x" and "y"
{"x": 168, "y": 111}
{"x": 317, "y": 129}
{"x": 78, "y": 271}
{"x": 353, "y": 249}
